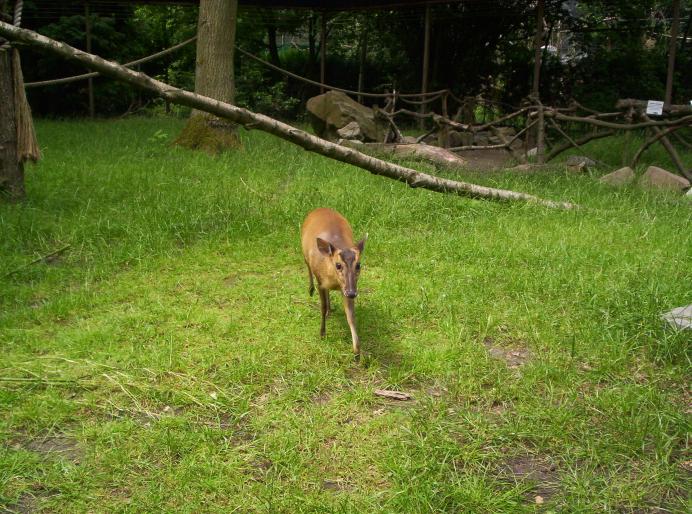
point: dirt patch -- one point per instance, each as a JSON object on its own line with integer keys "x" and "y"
{"x": 335, "y": 485}
{"x": 534, "y": 470}
{"x": 514, "y": 355}
{"x": 321, "y": 399}
{"x": 28, "y": 501}
{"x": 59, "y": 445}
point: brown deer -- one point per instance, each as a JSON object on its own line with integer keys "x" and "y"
{"x": 334, "y": 261}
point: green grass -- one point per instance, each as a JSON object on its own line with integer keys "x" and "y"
{"x": 171, "y": 361}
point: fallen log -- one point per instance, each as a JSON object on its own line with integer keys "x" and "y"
{"x": 438, "y": 156}
{"x": 250, "y": 119}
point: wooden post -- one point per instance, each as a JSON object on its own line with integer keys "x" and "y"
{"x": 323, "y": 50}
{"x": 443, "y": 134}
{"x": 671, "y": 51}
{"x": 361, "y": 66}
{"x": 426, "y": 62}
{"x": 90, "y": 86}
{"x": 540, "y": 140}
{"x": 537, "y": 40}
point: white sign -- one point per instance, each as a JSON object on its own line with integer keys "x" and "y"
{"x": 654, "y": 107}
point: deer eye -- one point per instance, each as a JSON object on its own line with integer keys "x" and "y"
{"x": 338, "y": 265}
{"x": 358, "y": 266}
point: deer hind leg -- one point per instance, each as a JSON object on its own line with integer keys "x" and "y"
{"x": 324, "y": 306}
{"x": 311, "y": 287}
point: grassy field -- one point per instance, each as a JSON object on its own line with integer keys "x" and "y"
{"x": 169, "y": 358}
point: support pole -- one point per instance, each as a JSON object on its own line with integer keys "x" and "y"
{"x": 361, "y": 66}
{"x": 671, "y": 51}
{"x": 323, "y": 50}
{"x": 426, "y": 62}
{"x": 87, "y": 22}
{"x": 537, "y": 40}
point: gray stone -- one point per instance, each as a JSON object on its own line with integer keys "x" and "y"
{"x": 481, "y": 138}
{"x": 334, "y": 110}
{"x": 460, "y": 138}
{"x": 351, "y": 131}
{"x": 576, "y": 160}
{"x": 620, "y": 177}
{"x": 577, "y": 168}
{"x": 409, "y": 140}
{"x": 680, "y": 317}
{"x": 688, "y": 195}
{"x": 507, "y": 132}
{"x": 658, "y": 178}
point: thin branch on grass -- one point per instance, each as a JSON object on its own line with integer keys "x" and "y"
{"x": 37, "y": 260}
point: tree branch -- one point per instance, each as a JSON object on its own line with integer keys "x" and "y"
{"x": 245, "y": 117}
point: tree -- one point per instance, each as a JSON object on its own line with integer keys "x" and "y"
{"x": 11, "y": 168}
{"x": 213, "y": 76}
{"x": 17, "y": 137}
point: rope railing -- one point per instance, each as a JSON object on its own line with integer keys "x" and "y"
{"x": 16, "y": 21}
{"x": 75, "y": 78}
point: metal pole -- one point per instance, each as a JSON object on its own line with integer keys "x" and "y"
{"x": 361, "y": 67}
{"x": 671, "y": 51}
{"x": 323, "y": 51}
{"x": 537, "y": 40}
{"x": 426, "y": 62}
{"x": 87, "y": 21}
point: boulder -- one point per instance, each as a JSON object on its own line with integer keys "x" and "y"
{"x": 575, "y": 160}
{"x": 334, "y": 110}
{"x": 620, "y": 177}
{"x": 460, "y": 138}
{"x": 507, "y": 132}
{"x": 409, "y": 140}
{"x": 481, "y": 138}
{"x": 658, "y": 178}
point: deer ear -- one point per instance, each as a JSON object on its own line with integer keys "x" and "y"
{"x": 325, "y": 246}
{"x": 361, "y": 243}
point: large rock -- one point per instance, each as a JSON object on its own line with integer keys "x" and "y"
{"x": 334, "y": 110}
{"x": 620, "y": 177}
{"x": 481, "y": 138}
{"x": 460, "y": 138}
{"x": 658, "y": 178}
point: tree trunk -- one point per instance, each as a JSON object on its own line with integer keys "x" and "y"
{"x": 271, "y": 37}
{"x": 11, "y": 169}
{"x": 213, "y": 77}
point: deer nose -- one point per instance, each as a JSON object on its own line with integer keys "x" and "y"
{"x": 350, "y": 294}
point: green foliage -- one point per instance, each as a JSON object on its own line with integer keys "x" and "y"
{"x": 171, "y": 361}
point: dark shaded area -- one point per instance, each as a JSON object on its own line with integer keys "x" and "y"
{"x": 595, "y": 51}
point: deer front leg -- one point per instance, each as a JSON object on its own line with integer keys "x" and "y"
{"x": 349, "y": 307}
{"x": 324, "y": 307}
